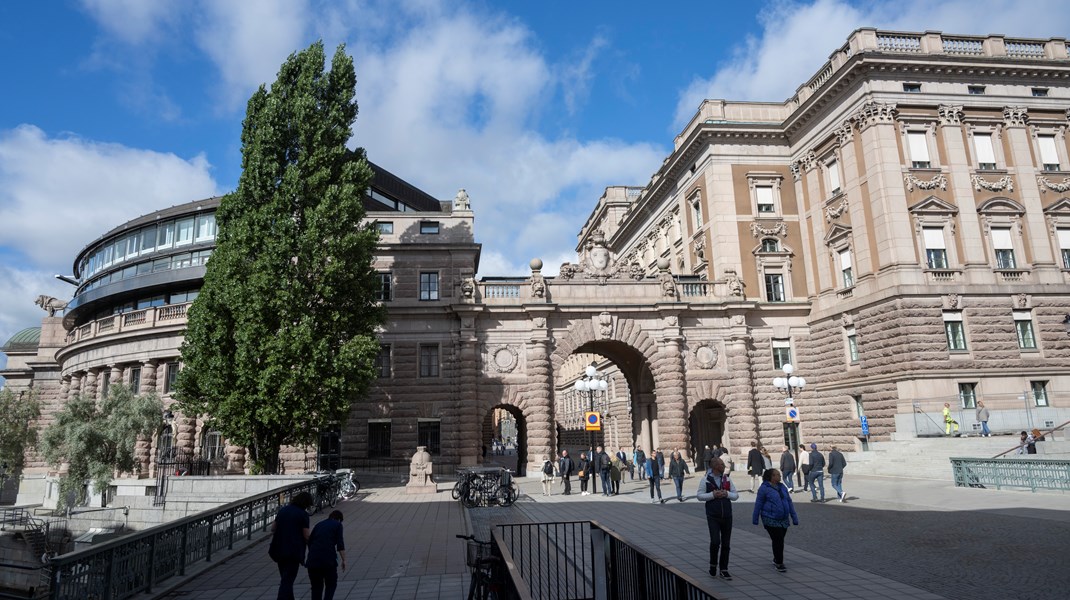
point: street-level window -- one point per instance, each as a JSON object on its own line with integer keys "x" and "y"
{"x": 781, "y": 353}
{"x": 986, "y": 156}
{"x": 1023, "y": 325}
{"x": 384, "y": 293}
{"x": 919, "y": 150}
{"x": 1039, "y": 391}
{"x": 429, "y": 286}
{"x": 774, "y": 287}
{"x": 1003, "y": 246}
{"x": 165, "y": 444}
{"x": 378, "y": 438}
{"x": 935, "y": 248}
{"x": 968, "y": 395}
{"x": 956, "y": 333}
{"x": 846, "y": 268}
{"x": 429, "y": 434}
{"x": 212, "y": 446}
{"x": 1049, "y": 156}
{"x": 852, "y": 345}
{"x": 428, "y": 360}
{"x": 382, "y": 361}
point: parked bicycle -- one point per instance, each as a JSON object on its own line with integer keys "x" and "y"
{"x": 491, "y": 486}
{"x": 348, "y": 486}
{"x": 326, "y": 493}
{"x": 487, "y": 570}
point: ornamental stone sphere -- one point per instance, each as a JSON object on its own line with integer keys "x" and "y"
{"x": 535, "y": 264}
{"x": 663, "y": 264}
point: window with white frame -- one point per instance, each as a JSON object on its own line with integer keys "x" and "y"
{"x": 1023, "y": 326}
{"x": 774, "y": 287}
{"x": 696, "y": 211}
{"x": 429, "y": 361}
{"x": 918, "y": 145}
{"x": 763, "y": 195}
{"x": 781, "y": 353}
{"x": 968, "y": 395}
{"x": 846, "y": 269}
{"x": 832, "y": 172}
{"x": 1039, "y": 390}
{"x": 986, "y": 154}
{"x": 852, "y": 345}
{"x": 935, "y": 247}
{"x": 773, "y": 244}
{"x": 1064, "y": 245}
{"x": 956, "y": 332}
{"x": 1049, "y": 154}
{"x": 1003, "y": 247}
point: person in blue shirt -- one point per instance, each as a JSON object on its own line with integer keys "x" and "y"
{"x": 289, "y": 534}
{"x": 718, "y": 492}
{"x": 322, "y": 563}
{"x": 773, "y": 504}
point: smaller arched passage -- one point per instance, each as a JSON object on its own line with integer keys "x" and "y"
{"x": 505, "y": 424}
{"x": 707, "y": 420}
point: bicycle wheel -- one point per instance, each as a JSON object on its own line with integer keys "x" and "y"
{"x": 356, "y": 485}
{"x": 459, "y": 490}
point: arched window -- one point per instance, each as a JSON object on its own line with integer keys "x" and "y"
{"x": 770, "y": 245}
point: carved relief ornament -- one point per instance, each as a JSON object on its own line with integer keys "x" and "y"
{"x": 835, "y": 211}
{"x": 1003, "y": 183}
{"x": 705, "y": 355}
{"x": 604, "y": 320}
{"x": 844, "y": 133}
{"x": 1046, "y": 184}
{"x": 873, "y": 113}
{"x": 938, "y": 181}
{"x": 781, "y": 229}
{"x": 950, "y": 114}
{"x": 1015, "y": 116}
{"x": 504, "y": 358}
{"x": 597, "y": 262}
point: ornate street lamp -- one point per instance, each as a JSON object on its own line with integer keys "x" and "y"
{"x": 591, "y": 382}
{"x": 793, "y": 385}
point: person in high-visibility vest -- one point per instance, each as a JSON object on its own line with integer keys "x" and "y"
{"x": 948, "y": 421}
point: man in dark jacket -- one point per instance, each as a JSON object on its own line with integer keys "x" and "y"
{"x": 817, "y": 474}
{"x": 755, "y": 465}
{"x": 601, "y": 460}
{"x": 566, "y": 468}
{"x": 661, "y": 462}
{"x": 707, "y": 454}
{"x": 836, "y": 464}
{"x": 640, "y": 462}
{"x": 787, "y": 468}
{"x": 718, "y": 492}
{"x": 289, "y": 537}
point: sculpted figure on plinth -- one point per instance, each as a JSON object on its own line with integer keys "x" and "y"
{"x": 420, "y": 481}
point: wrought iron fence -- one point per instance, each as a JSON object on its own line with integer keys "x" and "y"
{"x": 178, "y": 465}
{"x": 136, "y": 563}
{"x": 1034, "y": 474}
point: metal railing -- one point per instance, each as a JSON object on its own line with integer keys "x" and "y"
{"x": 1033, "y": 474}
{"x": 543, "y": 559}
{"x": 399, "y": 466}
{"x": 1008, "y": 413}
{"x": 136, "y": 563}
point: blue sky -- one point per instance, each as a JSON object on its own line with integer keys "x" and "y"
{"x": 115, "y": 108}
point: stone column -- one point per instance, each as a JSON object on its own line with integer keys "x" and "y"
{"x": 65, "y": 388}
{"x": 742, "y": 422}
{"x": 670, "y": 390}
{"x": 538, "y": 400}
{"x": 185, "y": 435}
{"x": 116, "y": 375}
{"x": 467, "y": 425}
{"x": 91, "y": 384}
{"x": 148, "y": 377}
{"x": 75, "y": 386}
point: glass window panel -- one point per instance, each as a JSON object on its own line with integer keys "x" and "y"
{"x": 428, "y": 286}
{"x": 382, "y": 362}
{"x": 145, "y": 267}
{"x": 429, "y": 227}
{"x": 205, "y": 227}
{"x": 1048, "y": 154}
{"x": 429, "y": 360}
{"x": 148, "y": 239}
{"x": 165, "y": 235}
{"x": 1026, "y": 341}
{"x": 133, "y": 245}
{"x": 764, "y": 195}
{"x": 968, "y": 395}
{"x": 956, "y": 335}
{"x": 774, "y": 287}
{"x": 1040, "y": 392}
{"x": 986, "y": 157}
{"x": 385, "y": 227}
{"x": 181, "y": 261}
{"x": 919, "y": 148}
{"x": 161, "y": 264}
{"x": 184, "y": 231}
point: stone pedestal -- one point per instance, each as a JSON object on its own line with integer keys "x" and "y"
{"x": 420, "y": 473}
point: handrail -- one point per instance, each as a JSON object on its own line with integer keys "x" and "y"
{"x": 681, "y": 585}
{"x": 519, "y": 592}
{"x": 1042, "y": 433}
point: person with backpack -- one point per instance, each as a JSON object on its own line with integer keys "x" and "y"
{"x": 547, "y": 476}
{"x": 718, "y": 492}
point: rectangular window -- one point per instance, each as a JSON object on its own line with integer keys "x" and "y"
{"x": 975, "y": 90}
{"x": 919, "y": 150}
{"x": 968, "y": 395}
{"x": 852, "y": 345}
{"x": 172, "y": 377}
{"x": 1064, "y": 246}
{"x": 696, "y": 212}
{"x": 935, "y": 250}
{"x": 165, "y": 235}
{"x": 429, "y": 435}
{"x": 1040, "y": 92}
{"x": 161, "y": 264}
{"x": 1039, "y": 390}
{"x": 912, "y": 88}
{"x": 378, "y": 438}
{"x": 774, "y": 287}
{"x": 1023, "y": 325}
{"x": 205, "y": 228}
{"x": 428, "y": 360}
{"x": 184, "y": 231}
{"x": 956, "y": 333}
{"x": 764, "y": 195}
{"x": 846, "y": 269}
{"x": 1004, "y": 248}
{"x": 383, "y": 294}
{"x": 833, "y": 170}
{"x": 133, "y": 245}
{"x": 429, "y": 227}
{"x": 1049, "y": 156}
{"x": 986, "y": 156}
{"x": 105, "y": 383}
{"x": 382, "y": 362}
{"x": 428, "y": 286}
{"x": 781, "y": 353}
{"x": 135, "y": 379}
{"x": 148, "y": 239}
{"x": 385, "y": 227}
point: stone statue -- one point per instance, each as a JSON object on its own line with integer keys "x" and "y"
{"x": 538, "y": 286}
{"x": 468, "y": 287}
{"x": 420, "y": 481}
{"x": 668, "y": 285}
{"x": 461, "y": 202}
{"x": 50, "y": 304}
{"x": 733, "y": 283}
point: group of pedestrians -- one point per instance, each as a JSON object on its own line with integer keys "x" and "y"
{"x": 291, "y": 537}
{"x": 599, "y": 466}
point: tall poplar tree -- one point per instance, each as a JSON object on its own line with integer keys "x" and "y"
{"x": 281, "y": 339}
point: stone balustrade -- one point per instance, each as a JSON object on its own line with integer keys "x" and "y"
{"x": 171, "y": 314}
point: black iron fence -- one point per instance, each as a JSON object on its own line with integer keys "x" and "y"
{"x": 171, "y": 464}
{"x": 399, "y": 466}
{"x": 136, "y": 563}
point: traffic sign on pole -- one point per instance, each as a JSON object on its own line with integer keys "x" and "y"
{"x": 592, "y": 421}
{"x": 791, "y": 415}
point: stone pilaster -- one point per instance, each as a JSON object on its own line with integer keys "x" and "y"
{"x": 148, "y": 377}
{"x": 65, "y": 388}
{"x": 75, "y": 387}
{"x": 469, "y": 401}
{"x": 538, "y": 403}
{"x": 1036, "y": 242}
{"x": 742, "y": 425}
{"x": 91, "y": 384}
{"x": 670, "y": 390}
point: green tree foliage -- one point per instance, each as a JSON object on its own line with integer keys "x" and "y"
{"x": 96, "y": 440}
{"x": 18, "y": 410}
{"x": 282, "y": 338}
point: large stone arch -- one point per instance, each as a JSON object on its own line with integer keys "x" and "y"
{"x": 513, "y": 399}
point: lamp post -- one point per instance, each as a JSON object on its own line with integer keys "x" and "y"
{"x": 591, "y": 382}
{"x": 793, "y": 385}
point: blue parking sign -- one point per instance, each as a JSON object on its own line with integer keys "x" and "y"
{"x": 865, "y": 425}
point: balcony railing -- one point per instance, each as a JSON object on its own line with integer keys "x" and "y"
{"x": 501, "y": 290}
{"x": 692, "y": 289}
{"x": 171, "y": 314}
{"x": 943, "y": 275}
{"x": 1012, "y": 275}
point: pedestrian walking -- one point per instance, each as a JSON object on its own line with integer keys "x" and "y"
{"x": 718, "y": 492}
{"x": 565, "y": 467}
{"x": 755, "y": 465}
{"x": 639, "y": 458}
{"x": 289, "y": 536}
{"x": 804, "y": 465}
{"x": 704, "y": 459}
{"x": 624, "y": 465}
{"x": 777, "y": 511}
{"x": 982, "y": 418}
{"x": 601, "y": 460}
{"x": 616, "y": 469}
{"x": 767, "y": 460}
{"x": 787, "y": 467}
{"x": 547, "y": 476}
{"x": 653, "y": 475}
{"x": 718, "y": 452}
{"x": 837, "y": 463}
{"x": 816, "y": 476}
{"x": 949, "y": 421}
{"x": 677, "y": 470}
{"x": 325, "y": 546}
{"x": 584, "y": 473}
{"x": 661, "y": 463}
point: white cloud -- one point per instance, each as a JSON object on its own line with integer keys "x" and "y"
{"x": 133, "y": 21}
{"x": 798, "y": 37}
{"x": 21, "y": 287}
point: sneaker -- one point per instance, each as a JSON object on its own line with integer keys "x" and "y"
{"x": 662, "y": 500}
{"x": 713, "y": 572}
{"x": 843, "y": 497}
{"x": 781, "y": 569}
{"x": 680, "y": 499}
{"x": 814, "y": 500}
{"x": 653, "y": 501}
{"x": 726, "y": 575}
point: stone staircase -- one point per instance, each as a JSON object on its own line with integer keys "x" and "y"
{"x": 929, "y": 458}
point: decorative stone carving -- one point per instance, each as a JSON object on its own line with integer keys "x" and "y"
{"x": 604, "y": 320}
{"x": 1021, "y": 300}
{"x": 795, "y": 170}
{"x": 733, "y": 283}
{"x": 668, "y": 284}
{"x": 468, "y": 323}
{"x": 461, "y": 202}
{"x": 538, "y": 286}
{"x": 636, "y": 271}
{"x": 834, "y": 211}
{"x": 781, "y": 229}
{"x": 1015, "y": 116}
{"x": 952, "y": 301}
{"x": 468, "y": 288}
{"x": 700, "y": 249}
{"x": 568, "y": 271}
{"x": 873, "y": 113}
{"x": 938, "y": 181}
{"x": 847, "y": 320}
{"x": 950, "y": 114}
{"x": 539, "y": 322}
{"x": 738, "y": 319}
{"x": 705, "y": 355}
{"x": 1003, "y": 183}
{"x": 50, "y": 304}
{"x": 504, "y": 359}
{"x": 1046, "y": 184}
{"x": 671, "y": 320}
{"x": 844, "y": 133}
{"x": 420, "y": 481}
{"x": 597, "y": 262}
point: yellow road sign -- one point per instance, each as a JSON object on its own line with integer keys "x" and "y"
{"x": 592, "y": 421}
